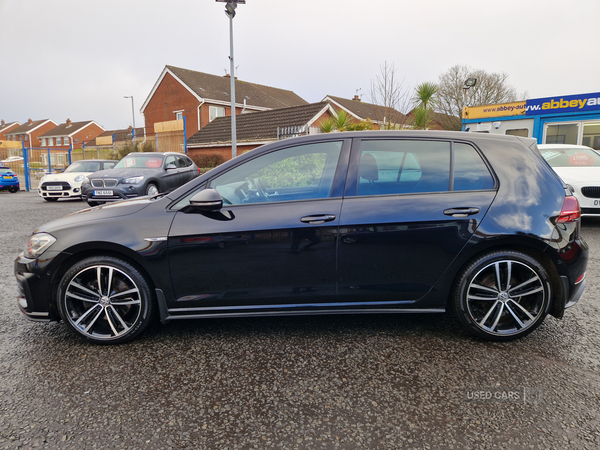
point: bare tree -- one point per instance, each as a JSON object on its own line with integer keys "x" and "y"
{"x": 491, "y": 88}
{"x": 389, "y": 97}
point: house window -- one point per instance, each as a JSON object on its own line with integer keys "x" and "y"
{"x": 65, "y": 141}
{"x": 51, "y": 142}
{"x": 26, "y": 138}
{"x": 43, "y": 142}
{"x": 215, "y": 111}
{"x": 179, "y": 115}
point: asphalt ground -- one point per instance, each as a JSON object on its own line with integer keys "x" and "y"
{"x": 328, "y": 382}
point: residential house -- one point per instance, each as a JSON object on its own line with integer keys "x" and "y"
{"x": 30, "y": 132}
{"x": 201, "y": 97}
{"x": 438, "y": 120}
{"x": 359, "y": 110}
{"x": 117, "y": 138}
{"x": 70, "y": 135}
{"x": 258, "y": 128}
{"x": 7, "y": 127}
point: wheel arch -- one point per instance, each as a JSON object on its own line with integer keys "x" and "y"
{"x": 91, "y": 249}
{"x": 534, "y": 248}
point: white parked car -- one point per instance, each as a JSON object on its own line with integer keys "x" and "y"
{"x": 579, "y": 167}
{"x": 67, "y": 184}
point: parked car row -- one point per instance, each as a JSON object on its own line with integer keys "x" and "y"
{"x": 340, "y": 223}
{"x": 103, "y": 181}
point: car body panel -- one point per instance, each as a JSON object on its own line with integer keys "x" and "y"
{"x": 582, "y": 174}
{"x": 371, "y": 253}
{"x": 107, "y": 185}
{"x": 8, "y": 180}
{"x": 67, "y": 184}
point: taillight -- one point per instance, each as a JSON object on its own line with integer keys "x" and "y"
{"x": 570, "y": 212}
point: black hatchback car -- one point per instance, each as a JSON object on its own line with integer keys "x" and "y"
{"x": 343, "y": 223}
{"x": 139, "y": 174}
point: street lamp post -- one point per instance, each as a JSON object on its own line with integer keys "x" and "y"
{"x": 230, "y": 6}
{"x": 469, "y": 83}
{"x": 132, "y": 109}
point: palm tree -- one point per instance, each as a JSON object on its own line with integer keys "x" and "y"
{"x": 425, "y": 95}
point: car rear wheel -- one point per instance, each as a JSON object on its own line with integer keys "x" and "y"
{"x": 13, "y": 189}
{"x": 502, "y": 296}
{"x": 105, "y": 300}
{"x": 151, "y": 189}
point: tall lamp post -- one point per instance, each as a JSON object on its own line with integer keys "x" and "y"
{"x": 469, "y": 83}
{"x": 230, "y": 6}
{"x": 132, "y": 109}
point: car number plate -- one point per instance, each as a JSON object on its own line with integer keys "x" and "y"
{"x": 7, "y": 177}
{"x": 54, "y": 188}
{"x": 101, "y": 193}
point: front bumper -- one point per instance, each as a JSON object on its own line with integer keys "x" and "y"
{"x": 34, "y": 286}
{"x": 118, "y": 193}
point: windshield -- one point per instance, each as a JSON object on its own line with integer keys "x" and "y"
{"x": 87, "y": 166}
{"x": 5, "y": 170}
{"x": 571, "y": 157}
{"x": 140, "y": 161}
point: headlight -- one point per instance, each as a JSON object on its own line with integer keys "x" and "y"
{"x": 79, "y": 178}
{"x": 132, "y": 180}
{"x": 38, "y": 244}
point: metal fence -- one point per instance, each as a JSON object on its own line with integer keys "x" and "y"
{"x": 294, "y": 131}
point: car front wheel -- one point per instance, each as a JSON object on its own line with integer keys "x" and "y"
{"x": 105, "y": 300}
{"x": 151, "y": 189}
{"x": 502, "y": 296}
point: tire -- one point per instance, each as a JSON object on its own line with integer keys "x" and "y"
{"x": 98, "y": 317}
{"x": 151, "y": 189}
{"x": 492, "y": 306}
{"x": 13, "y": 189}
{"x": 51, "y": 199}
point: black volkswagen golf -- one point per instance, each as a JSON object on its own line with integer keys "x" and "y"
{"x": 342, "y": 223}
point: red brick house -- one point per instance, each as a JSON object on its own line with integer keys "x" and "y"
{"x": 70, "y": 133}
{"x": 258, "y": 128}
{"x": 7, "y": 127}
{"x": 360, "y": 110}
{"x": 201, "y": 97}
{"x": 30, "y": 132}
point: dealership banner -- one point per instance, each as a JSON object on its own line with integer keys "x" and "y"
{"x": 563, "y": 104}
{"x": 501, "y": 110}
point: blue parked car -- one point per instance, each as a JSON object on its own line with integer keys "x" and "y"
{"x": 8, "y": 180}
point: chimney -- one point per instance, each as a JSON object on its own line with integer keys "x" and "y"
{"x": 3, "y": 123}
{"x": 356, "y": 98}
{"x": 68, "y": 122}
{"x": 30, "y": 121}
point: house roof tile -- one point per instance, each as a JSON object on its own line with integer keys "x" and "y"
{"x": 363, "y": 110}
{"x": 28, "y": 126}
{"x": 66, "y": 129}
{"x": 260, "y": 125}
{"x": 214, "y": 87}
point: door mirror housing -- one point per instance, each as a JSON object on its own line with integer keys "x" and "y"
{"x": 205, "y": 200}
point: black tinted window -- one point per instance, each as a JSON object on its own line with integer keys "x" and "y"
{"x": 470, "y": 172}
{"x": 296, "y": 173}
{"x": 403, "y": 166}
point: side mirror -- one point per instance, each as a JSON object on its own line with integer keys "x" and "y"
{"x": 171, "y": 166}
{"x": 206, "y": 200}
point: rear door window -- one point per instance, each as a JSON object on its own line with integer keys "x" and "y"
{"x": 400, "y": 166}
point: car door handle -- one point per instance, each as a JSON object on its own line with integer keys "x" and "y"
{"x": 461, "y": 212}
{"x": 318, "y": 219}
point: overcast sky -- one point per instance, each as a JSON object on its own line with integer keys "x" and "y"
{"x": 77, "y": 59}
